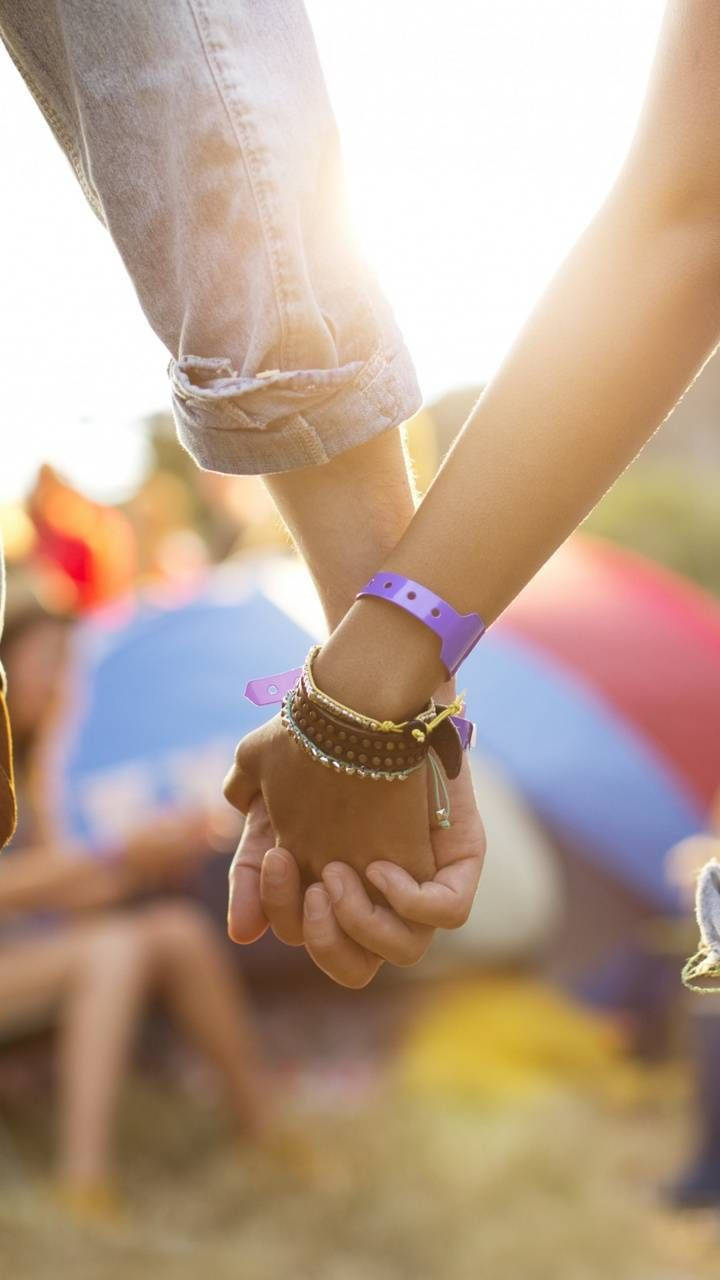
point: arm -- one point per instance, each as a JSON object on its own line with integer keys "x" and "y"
{"x": 624, "y": 327}
{"x": 42, "y": 879}
{"x": 347, "y": 516}
{"x": 64, "y": 877}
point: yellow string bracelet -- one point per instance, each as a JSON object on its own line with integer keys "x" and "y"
{"x": 419, "y": 726}
{"x": 422, "y": 728}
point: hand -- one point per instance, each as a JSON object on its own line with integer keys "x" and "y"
{"x": 324, "y": 816}
{"x": 349, "y": 940}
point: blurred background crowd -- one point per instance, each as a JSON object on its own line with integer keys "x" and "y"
{"x": 543, "y": 1060}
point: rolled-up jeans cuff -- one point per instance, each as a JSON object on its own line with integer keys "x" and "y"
{"x": 283, "y": 420}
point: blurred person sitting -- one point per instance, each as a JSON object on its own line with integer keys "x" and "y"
{"x": 699, "y": 1185}
{"x": 77, "y": 952}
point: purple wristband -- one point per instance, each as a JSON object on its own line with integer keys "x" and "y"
{"x": 264, "y": 690}
{"x": 458, "y": 632}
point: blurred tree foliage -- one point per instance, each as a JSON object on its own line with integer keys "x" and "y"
{"x": 669, "y": 511}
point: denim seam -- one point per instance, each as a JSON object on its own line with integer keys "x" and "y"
{"x": 306, "y": 440}
{"x": 247, "y": 154}
{"x": 362, "y": 382}
{"x": 385, "y": 397}
{"x": 223, "y": 407}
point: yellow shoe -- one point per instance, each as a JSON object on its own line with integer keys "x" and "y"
{"x": 89, "y": 1201}
{"x": 289, "y": 1152}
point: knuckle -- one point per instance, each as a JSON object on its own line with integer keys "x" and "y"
{"x": 244, "y": 748}
{"x": 236, "y": 788}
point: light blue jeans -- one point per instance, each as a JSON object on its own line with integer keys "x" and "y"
{"x": 202, "y": 136}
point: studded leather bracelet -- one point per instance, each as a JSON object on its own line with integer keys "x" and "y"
{"x": 353, "y": 743}
{"x": 343, "y": 745}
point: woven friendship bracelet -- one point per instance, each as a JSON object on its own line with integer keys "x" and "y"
{"x": 421, "y": 725}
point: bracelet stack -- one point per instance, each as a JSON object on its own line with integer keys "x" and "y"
{"x": 349, "y": 742}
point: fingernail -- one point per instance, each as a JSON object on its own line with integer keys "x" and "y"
{"x": 378, "y": 879}
{"x": 275, "y": 867}
{"x": 334, "y": 885}
{"x": 316, "y": 904}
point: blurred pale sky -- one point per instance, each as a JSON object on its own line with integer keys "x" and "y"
{"x": 479, "y": 137}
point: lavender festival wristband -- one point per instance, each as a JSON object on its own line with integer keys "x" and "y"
{"x": 458, "y": 632}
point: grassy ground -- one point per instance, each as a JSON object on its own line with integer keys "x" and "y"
{"x": 564, "y": 1189}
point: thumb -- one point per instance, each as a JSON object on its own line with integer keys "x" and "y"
{"x": 242, "y": 782}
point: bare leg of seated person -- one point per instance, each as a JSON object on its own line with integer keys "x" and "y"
{"x": 99, "y": 976}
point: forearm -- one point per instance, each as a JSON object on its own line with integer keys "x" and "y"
{"x": 346, "y": 516}
{"x": 37, "y": 879}
{"x": 625, "y": 327}
{"x": 626, "y": 324}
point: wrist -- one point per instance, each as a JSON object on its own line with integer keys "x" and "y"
{"x": 381, "y": 662}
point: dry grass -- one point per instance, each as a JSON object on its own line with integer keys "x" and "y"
{"x": 564, "y": 1189}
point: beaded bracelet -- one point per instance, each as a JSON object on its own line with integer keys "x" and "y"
{"x": 318, "y": 752}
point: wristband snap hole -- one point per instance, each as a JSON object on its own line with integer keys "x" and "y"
{"x": 272, "y": 688}
{"x": 435, "y": 613}
{"x": 411, "y": 595}
{"x": 388, "y": 586}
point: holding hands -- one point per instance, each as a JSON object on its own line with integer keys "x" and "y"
{"x": 352, "y": 917}
{"x": 361, "y": 860}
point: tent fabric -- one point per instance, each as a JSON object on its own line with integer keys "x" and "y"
{"x": 596, "y": 782}
{"x": 521, "y": 897}
{"x": 159, "y": 707}
{"x": 643, "y": 639}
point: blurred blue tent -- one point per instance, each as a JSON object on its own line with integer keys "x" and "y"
{"x": 158, "y": 706}
{"x": 595, "y": 781}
